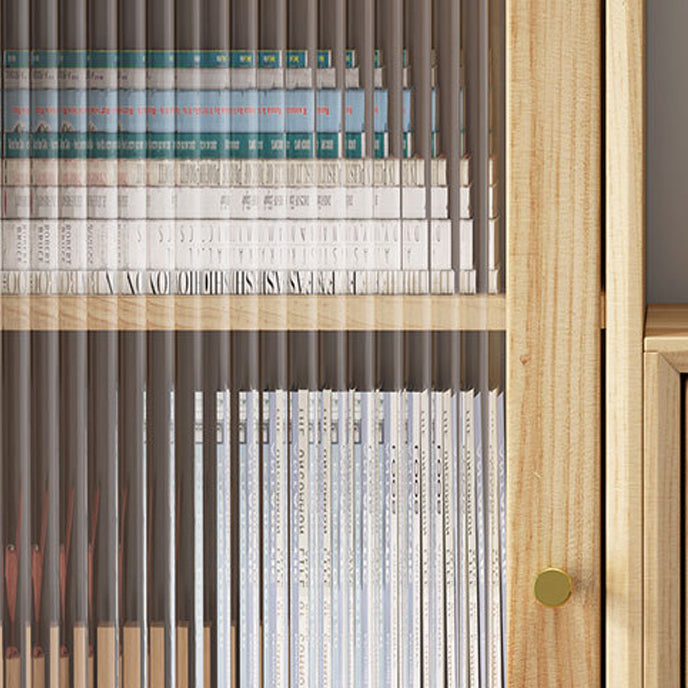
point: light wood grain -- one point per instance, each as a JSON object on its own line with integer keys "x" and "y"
{"x": 624, "y": 321}
{"x": 408, "y": 312}
{"x": 662, "y": 525}
{"x": 108, "y": 657}
{"x": 81, "y": 659}
{"x": 666, "y": 327}
{"x": 13, "y": 672}
{"x": 553, "y": 110}
{"x": 131, "y": 656}
{"x": 38, "y": 671}
{"x": 182, "y": 656}
{"x": 64, "y": 671}
{"x": 157, "y": 656}
{"x": 54, "y": 657}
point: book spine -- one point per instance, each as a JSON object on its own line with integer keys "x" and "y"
{"x": 437, "y": 532}
{"x": 404, "y": 502}
{"x": 348, "y": 526}
{"x": 472, "y": 543}
{"x": 451, "y": 481}
{"x": 224, "y": 544}
{"x": 427, "y": 504}
{"x": 493, "y": 549}
{"x": 393, "y": 429}
{"x": 416, "y": 577}
{"x": 280, "y": 527}
{"x": 359, "y": 490}
{"x": 326, "y": 529}
{"x": 315, "y": 514}
{"x": 254, "y": 526}
{"x": 268, "y": 539}
{"x": 303, "y": 495}
{"x": 294, "y": 521}
{"x": 244, "y": 582}
{"x": 501, "y": 449}
{"x": 337, "y": 563}
{"x": 481, "y": 537}
{"x": 465, "y": 400}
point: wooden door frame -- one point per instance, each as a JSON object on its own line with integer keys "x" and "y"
{"x": 662, "y": 545}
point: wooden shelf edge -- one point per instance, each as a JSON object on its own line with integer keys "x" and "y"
{"x": 247, "y": 313}
{"x": 666, "y": 327}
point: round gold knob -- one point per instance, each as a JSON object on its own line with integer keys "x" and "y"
{"x": 553, "y": 587}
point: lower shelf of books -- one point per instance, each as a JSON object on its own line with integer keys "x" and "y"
{"x": 255, "y": 312}
{"x": 246, "y": 508}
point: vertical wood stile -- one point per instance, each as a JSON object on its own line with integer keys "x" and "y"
{"x": 553, "y": 110}
{"x": 625, "y": 310}
{"x": 662, "y": 525}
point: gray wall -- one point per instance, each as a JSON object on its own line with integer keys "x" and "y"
{"x": 667, "y": 150}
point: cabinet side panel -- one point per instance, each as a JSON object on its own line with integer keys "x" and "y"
{"x": 553, "y": 103}
{"x": 662, "y": 524}
{"x": 625, "y": 310}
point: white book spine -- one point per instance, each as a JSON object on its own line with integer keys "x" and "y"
{"x": 493, "y": 589}
{"x": 416, "y": 544}
{"x": 347, "y": 540}
{"x": 465, "y": 400}
{"x": 280, "y": 528}
{"x": 472, "y": 545}
{"x": 451, "y": 482}
{"x": 198, "y": 564}
{"x": 268, "y": 539}
{"x": 254, "y": 526}
{"x": 326, "y": 529}
{"x": 314, "y": 508}
{"x": 376, "y": 502}
{"x": 358, "y": 596}
{"x": 437, "y": 531}
{"x": 337, "y": 564}
{"x": 244, "y": 583}
{"x": 393, "y": 426}
{"x": 427, "y": 503}
{"x": 405, "y": 519}
{"x": 224, "y": 540}
{"x": 206, "y": 202}
{"x": 481, "y": 533}
{"x": 501, "y": 442}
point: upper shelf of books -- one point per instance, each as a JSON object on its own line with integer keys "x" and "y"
{"x": 292, "y": 156}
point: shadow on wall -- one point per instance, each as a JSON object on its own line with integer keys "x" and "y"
{"x": 667, "y": 150}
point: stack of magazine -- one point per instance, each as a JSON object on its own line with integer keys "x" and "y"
{"x": 371, "y": 538}
{"x": 221, "y": 172}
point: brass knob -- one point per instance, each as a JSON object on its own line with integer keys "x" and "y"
{"x": 553, "y": 587}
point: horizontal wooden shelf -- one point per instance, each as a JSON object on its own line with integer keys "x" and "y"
{"x": 666, "y": 327}
{"x": 246, "y": 313}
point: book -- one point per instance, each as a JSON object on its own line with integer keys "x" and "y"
{"x": 223, "y": 564}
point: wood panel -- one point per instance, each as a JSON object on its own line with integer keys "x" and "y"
{"x": 662, "y": 525}
{"x": 625, "y": 311}
{"x": 553, "y": 103}
{"x": 379, "y": 312}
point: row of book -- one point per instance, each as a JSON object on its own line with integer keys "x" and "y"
{"x": 191, "y": 104}
{"x": 334, "y": 537}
